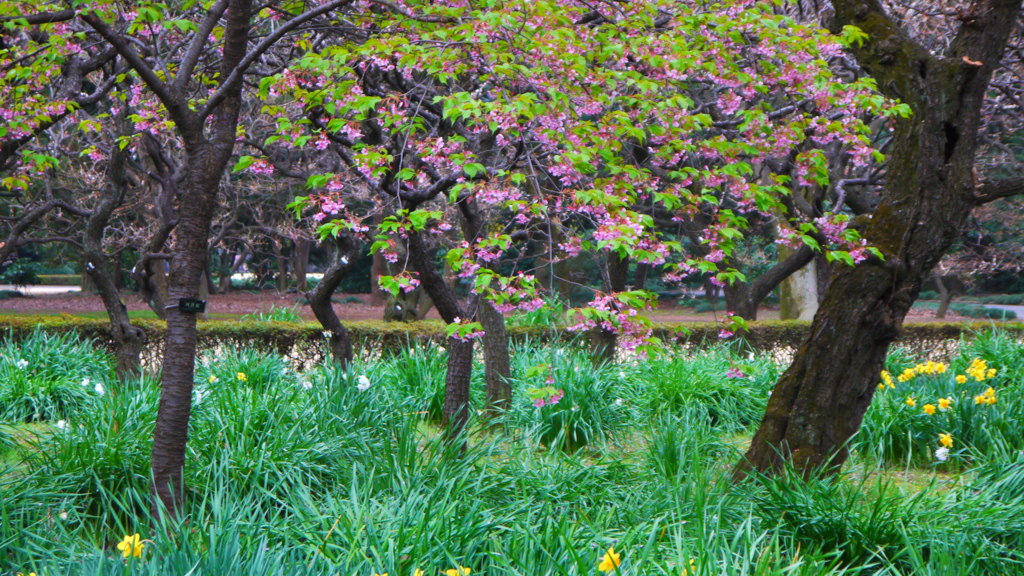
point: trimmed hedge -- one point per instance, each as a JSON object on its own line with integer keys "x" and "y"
{"x": 61, "y": 279}
{"x": 305, "y": 344}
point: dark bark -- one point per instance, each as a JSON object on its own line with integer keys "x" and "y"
{"x": 208, "y": 147}
{"x": 497, "y": 363}
{"x": 301, "y": 247}
{"x": 456, "y": 386}
{"x": 820, "y": 401}
{"x": 643, "y": 270}
{"x": 345, "y": 253}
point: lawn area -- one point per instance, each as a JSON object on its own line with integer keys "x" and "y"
{"x": 621, "y": 468}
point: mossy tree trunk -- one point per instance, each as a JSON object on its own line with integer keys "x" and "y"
{"x": 820, "y": 401}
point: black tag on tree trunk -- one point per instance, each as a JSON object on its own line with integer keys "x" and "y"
{"x": 192, "y": 305}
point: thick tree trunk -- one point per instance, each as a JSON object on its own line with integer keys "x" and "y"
{"x": 497, "y": 364}
{"x": 300, "y": 262}
{"x": 345, "y": 253}
{"x": 798, "y": 294}
{"x": 820, "y": 401}
{"x": 456, "y": 386}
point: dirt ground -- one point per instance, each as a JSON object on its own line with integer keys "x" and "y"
{"x": 348, "y": 306}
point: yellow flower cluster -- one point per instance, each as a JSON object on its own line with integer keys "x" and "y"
{"x": 987, "y": 397}
{"x": 980, "y": 371}
{"x": 928, "y": 368}
{"x": 886, "y": 381}
{"x": 929, "y": 409}
{"x": 691, "y": 570}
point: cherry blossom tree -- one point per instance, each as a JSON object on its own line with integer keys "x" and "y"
{"x": 596, "y": 113}
{"x": 931, "y": 186}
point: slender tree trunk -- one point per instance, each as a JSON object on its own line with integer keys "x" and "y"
{"x": 128, "y": 339}
{"x": 346, "y": 251}
{"x": 820, "y": 401}
{"x": 945, "y": 294}
{"x": 497, "y": 364}
{"x": 190, "y": 251}
{"x": 460, "y": 353}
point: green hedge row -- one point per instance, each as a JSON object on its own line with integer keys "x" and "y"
{"x": 60, "y": 279}
{"x": 305, "y": 342}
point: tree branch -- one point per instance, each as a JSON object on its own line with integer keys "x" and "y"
{"x": 995, "y": 189}
{"x": 238, "y": 72}
{"x": 195, "y": 49}
{"x": 175, "y": 106}
{"x": 888, "y": 53}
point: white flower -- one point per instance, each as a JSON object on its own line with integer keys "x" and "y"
{"x": 306, "y": 385}
{"x": 362, "y": 383}
{"x": 199, "y": 396}
{"x": 63, "y": 515}
{"x": 326, "y": 333}
{"x": 99, "y": 388}
{"x": 619, "y": 401}
{"x": 942, "y": 454}
{"x": 85, "y": 382}
{"x": 62, "y": 424}
{"x": 574, "y": 408}
{"x": 21, "y": 364}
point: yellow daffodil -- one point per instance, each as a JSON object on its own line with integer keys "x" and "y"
{"x": 242, "y": 377}
{"x": 910, "y": 401}
{"x": 384, "y": 574}
{"x": 929, "y": 409}
{"x": 29, "y": 574}
{"x": 990, "y": 373}
{"x": 944, "y": 403}
{"x": 960, "y": 378}
{"x": 417, "y": 572}
{"x": 692, "y": 569}
{"x": 131, "y": 546}
{"x": 946, "y": 440}
{"x": 887, "y": 379}
{"x": 979, "y": 370}
{"x": 610, "y": 561}
{"x": 460, "y": 571}
{"x": 990, "y": 400}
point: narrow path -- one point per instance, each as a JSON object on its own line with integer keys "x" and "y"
{"x": 1019, "y": 310}
{"x": 40, "y": 290}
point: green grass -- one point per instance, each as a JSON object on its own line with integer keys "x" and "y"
{"x": 307, "y": 474}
